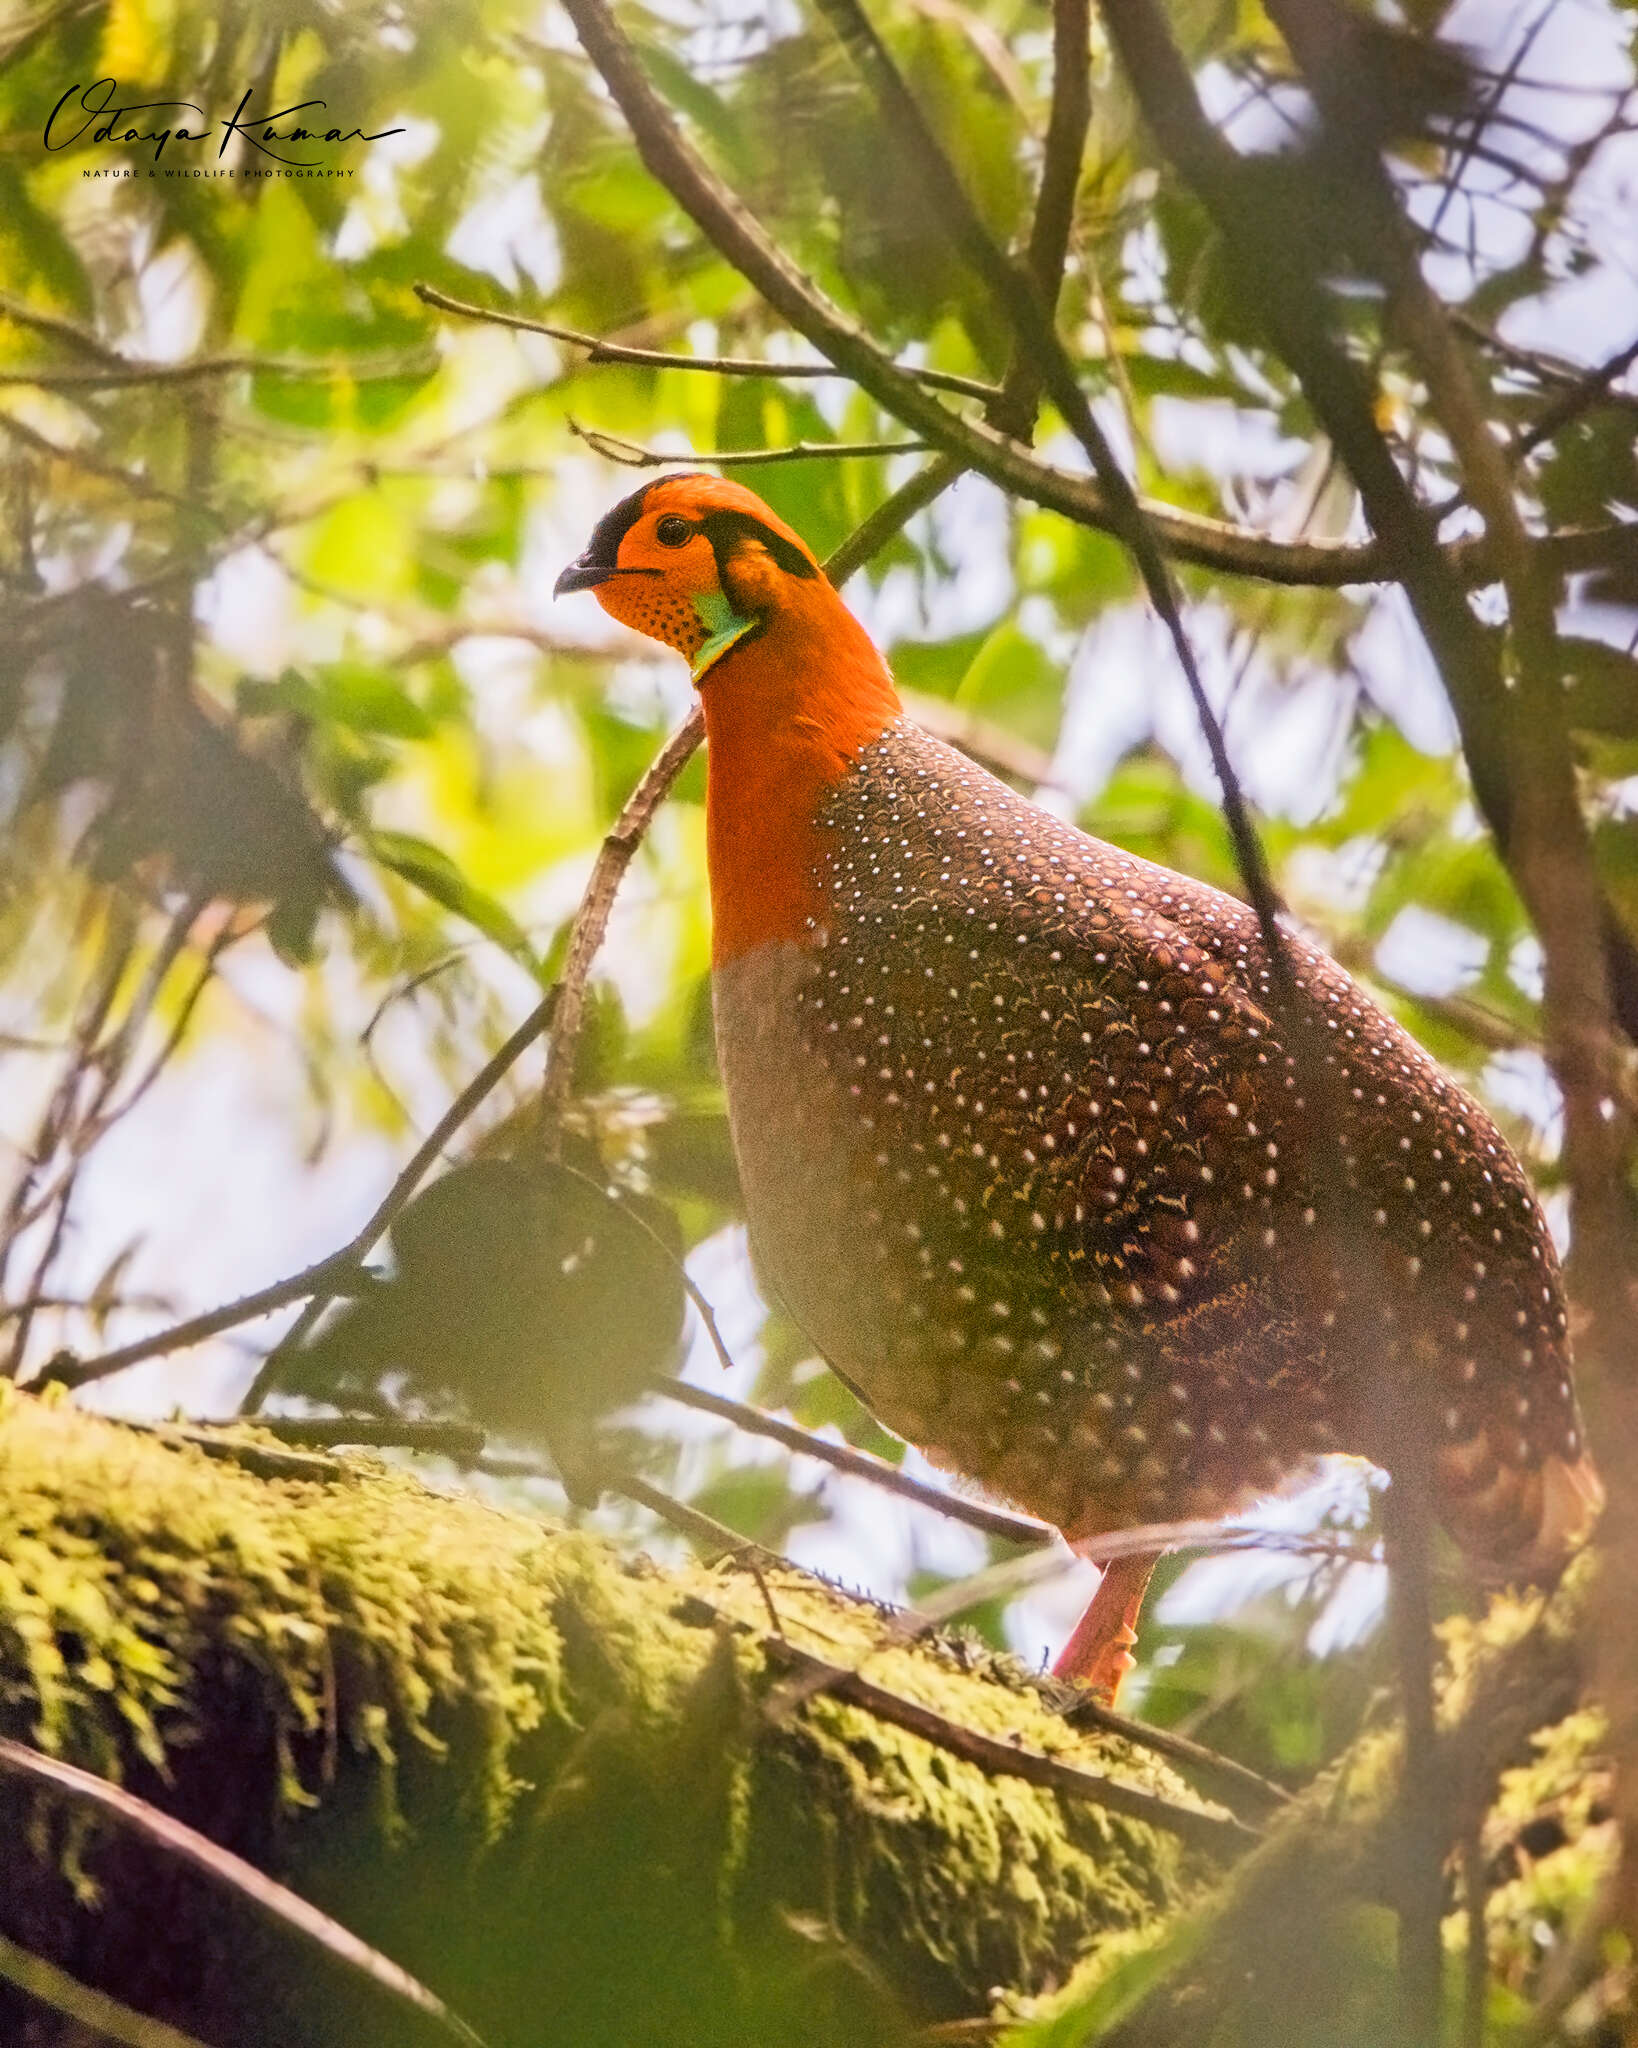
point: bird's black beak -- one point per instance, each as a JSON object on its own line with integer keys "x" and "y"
{"x": 584, "y": 574}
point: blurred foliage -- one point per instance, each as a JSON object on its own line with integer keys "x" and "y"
{"x": 302, "y": 774}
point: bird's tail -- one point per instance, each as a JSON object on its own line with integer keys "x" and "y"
{"x": 1521, "y": 1520}
{"x": 1572, "y": 1498}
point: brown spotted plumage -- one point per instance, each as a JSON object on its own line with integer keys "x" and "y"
{"x": 1024, "y": 1148}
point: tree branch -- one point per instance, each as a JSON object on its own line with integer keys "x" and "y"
{"x": 100, "y": 2017}
{"x": 113, "y": 372}
{"x": 993, "y": 1521}
{"x": 591, "y": 920}
{"x": 1190, "y": 538}
{"x": 1042, "y": 357}
{"x": 318, "y": 1283}
{"x": 598, "y": 351}
{"x": 1299, "y": 322}
{"x": 1202, "y": 1829}
{"x": 272, "y": 1902}
{"x": 1576, "y": 398}
{"x": 633, "y": 455}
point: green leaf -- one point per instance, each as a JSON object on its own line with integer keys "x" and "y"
{"x": 1012, "y": 677}
{"x": 432, "y": 871}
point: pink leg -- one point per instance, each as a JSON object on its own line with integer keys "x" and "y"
{"x": 1099, "y": 1653}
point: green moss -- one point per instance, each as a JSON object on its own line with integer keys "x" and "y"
{"x": 1298, "y": 1944}
{"x": 536, "y": 1771}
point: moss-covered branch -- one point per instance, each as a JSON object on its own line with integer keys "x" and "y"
{"x": 584, "y": 1799}
{"x": 535, "y": 1772}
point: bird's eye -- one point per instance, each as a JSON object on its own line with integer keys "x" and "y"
{"x": 673, "y": 531}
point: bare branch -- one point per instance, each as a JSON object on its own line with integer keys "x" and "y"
{"x": 993, "y": 1521}
{"x": 104, "y": 2018}
{"x": 614, "y": 448}
{"x": 318, "y": 1283}
{"x": 1018, "y": 297}
{"x": 591, "y": 920}
{"x": 619, "y": 849}
{"x": 121, "y": 372}
{"x": 67, "y": 1370}
{"x": 1300, "y": 323}
{"x": 669, "y": 359}
{"x": 1208, "y": 543}
{"x": 891, "y": 515}
{"x": 272, "y": 1902}
{"x": 56, "y": 328}
{"x": 1577, "y": 398}
{"x": 1218, "y": 1832}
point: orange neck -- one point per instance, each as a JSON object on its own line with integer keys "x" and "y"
{"x": 787, "y": 713}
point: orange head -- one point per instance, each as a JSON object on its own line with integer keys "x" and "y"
{"x": 791, "y": 686}
{"x": 694, "y": 561}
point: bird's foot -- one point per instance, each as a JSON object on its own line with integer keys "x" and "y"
{"x": 1100, "y": 1668}
{"x": 1098, "y": 1655}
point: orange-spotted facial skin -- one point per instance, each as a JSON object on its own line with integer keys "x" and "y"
{"x": 660, "y": 560}
{"x": 792, "y": 689}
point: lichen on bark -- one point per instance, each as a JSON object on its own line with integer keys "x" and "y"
{"x": 535, "y": 1770}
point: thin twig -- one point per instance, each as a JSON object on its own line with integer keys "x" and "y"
{"x": 229, "y": 1446}
{"x": 1299, "y": 319}
{"x": 459, "y": 1440}
{"x": 106, "y": 2018}
{"x": 328, "y": 1276}
{"x": 1018, "y": 298}
{"x": 666, "y": 359}
{"x": 591, "y": 920}
{"x": 92, "y": 465}
{"x": 58, "y": 328}
{"x": 894, "y": 513}
{"x": 1209, "y": 543}
{"x": 106, "y": 376}
{"x": 633, "y": 455}
{"x": 713, "y": 1538}
{"x": 1218, "y": 1832}
{"x": 1236, "y": 1778}
{"x": 270, "y": 1901}
{"x": 992, "y": 1521}
{"x": 1004, "y": 1580}
{"x": 1576, "y": 399}
{"x": 317, "y": 1285}
{"x": 619, "y": 849}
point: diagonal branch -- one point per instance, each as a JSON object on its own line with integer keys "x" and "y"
{"x": 993, "y": 1521}
{"x": 600, "y": 351}
{"x": 319, "y": 1284}
{"x": 1043, "y": 359}
{"x": 633, "y": 455}
{"x": 1579, "y": 396}
{"x": 1299, "y": 321}
{"x": 1199, "y": 1826}
{"x": 1551, "y": 855}
{"x": 323, "y": 1281}
{"x": 975, "y": 444}
{"x": 591, "y": 920}
{"x": 269, "y": 1900}
{"x": 101, "y": 2017}
{"x": 1218, "y": 545}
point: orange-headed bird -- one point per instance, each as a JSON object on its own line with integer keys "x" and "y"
{"x": 1019, "y": 1119}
